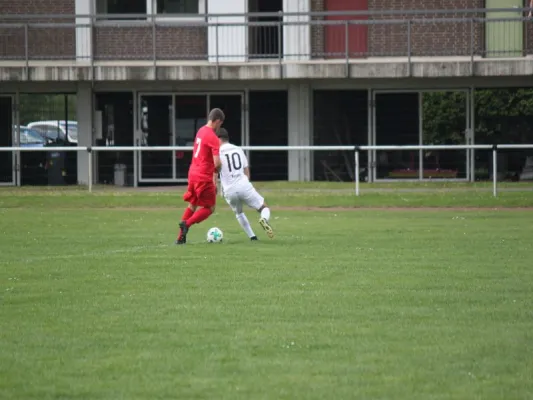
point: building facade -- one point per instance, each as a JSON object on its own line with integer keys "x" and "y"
{"x": 287, "y": 72}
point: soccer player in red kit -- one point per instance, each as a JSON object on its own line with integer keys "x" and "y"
{"x": 202, "y": 189}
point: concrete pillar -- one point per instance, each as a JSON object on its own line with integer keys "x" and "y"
{"x": 300, "y": 131}
{"x": 84, "y": 46}
{"x": 85, "y": 129}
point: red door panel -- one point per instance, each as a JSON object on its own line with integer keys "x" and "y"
{"x": 335, "y": 34}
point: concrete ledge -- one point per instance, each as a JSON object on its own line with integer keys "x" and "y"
{"x": 434, "y": 67}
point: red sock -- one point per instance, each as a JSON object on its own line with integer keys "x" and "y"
{"x": 200, "y": 215}
{"x": 187, "y": 214}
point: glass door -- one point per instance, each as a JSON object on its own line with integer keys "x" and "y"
{"x": 157, "y": 130}
{"x": 396, "y": 122}
{"x": 445, "y": 121}
{"x": 232, "y": 105}
{"x": 7, "y": 134}
{"x": 190, "y": 114}
{"x": 170, "y": 119}
{"x": 191, "y": 111}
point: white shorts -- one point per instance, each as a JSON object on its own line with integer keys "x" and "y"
{"x": 246, "y": 194}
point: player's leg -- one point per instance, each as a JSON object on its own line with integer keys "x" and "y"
{"x": 184, "y": 229}
{"x": 256, "y": 201}
{"x": 245, "y": 224}
{"x": 264, "y": 210}
{"x": 191, "y": 197}
{"x": 264, "y": 221}
{"x": 235, "y": 202}
{"x": 207, "y": 197}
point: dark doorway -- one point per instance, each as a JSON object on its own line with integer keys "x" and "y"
{"x": 397, "y": 123}
{"x": 6, "y": 139}
{"x": 117, "y": 130}
{"x": 340, "y": 118}
{"x": 269, "y": 127}
{"x": 157, "y": 132}
{"x": 265, "y": 38}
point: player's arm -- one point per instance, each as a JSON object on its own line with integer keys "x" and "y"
{"x": 218, "y": 166}
{"x": 218, "y": 163}
{"x": 247, "y": 172}
{"x": 216, "y": 179}
{"x": 215, "y": 150}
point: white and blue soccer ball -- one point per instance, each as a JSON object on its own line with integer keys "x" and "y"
{"x": 214, "y": 235}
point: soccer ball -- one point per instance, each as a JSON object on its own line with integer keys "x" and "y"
{"x": 214, "y": 235}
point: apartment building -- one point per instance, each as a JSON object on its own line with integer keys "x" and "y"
{"x": 286, "y": 72}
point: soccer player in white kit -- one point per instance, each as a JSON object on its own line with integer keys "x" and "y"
{"x": 237, "y": 188}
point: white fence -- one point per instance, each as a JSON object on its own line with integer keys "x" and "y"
{"x": 356, "y": 149}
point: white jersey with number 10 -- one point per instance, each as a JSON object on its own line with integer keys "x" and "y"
{"x": 234, "y": 162}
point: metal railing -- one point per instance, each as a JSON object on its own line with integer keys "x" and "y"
{"x": 464, "y": 12}
{"x": 208, "y": 38}
{"x": 137, "y": 150}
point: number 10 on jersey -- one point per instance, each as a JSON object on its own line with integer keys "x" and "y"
{"x": 234, "y": 161}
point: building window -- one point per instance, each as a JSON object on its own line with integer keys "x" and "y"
{"x": 121, "y": 6}
{"x": 178, "y": 7}
{"x": 184, "y": 7}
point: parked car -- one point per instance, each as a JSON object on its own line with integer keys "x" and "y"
{"x": 59, "y": 132}
{"x": 32, "y": 163}
{"x": 30, "y": 138}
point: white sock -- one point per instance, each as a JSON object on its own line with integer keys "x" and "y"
{"x": 265, "y": 213}
{"x": 245, "y": 225}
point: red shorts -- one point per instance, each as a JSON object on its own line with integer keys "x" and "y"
{"x": 202, "y": 194}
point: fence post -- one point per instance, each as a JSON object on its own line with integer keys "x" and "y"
{"x": 347, "y": 47}
{"x": 217, "y": 57}
{"x": 90, "y": 166}
{"x": 280, "y": 44}
{"x": 409, "y": 50}
{"x": 27, "y": 51}
{"x": 154, "y": 45}
{"x": 135, "y": 164}
{"x": 356, "y": 149}
{"x": 494, "y": 170}
{"x": 92, "y": 49}
{"x": 472, "y": 35}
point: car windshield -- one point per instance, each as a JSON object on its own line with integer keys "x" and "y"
{"x": 31, "y": 136}
{"x": 72, "y": 131}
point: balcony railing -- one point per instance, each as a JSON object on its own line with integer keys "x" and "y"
{"x": 278, "y": 37}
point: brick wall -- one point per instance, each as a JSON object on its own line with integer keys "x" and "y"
{"x": 431, "y": 38}
{"x": 172, "y": 43}
{"x": 43, "y": 43}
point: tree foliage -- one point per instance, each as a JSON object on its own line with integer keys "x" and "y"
{"x": 504, "y": 116}
{"x": 39, "y": 107}
{"x": 501, "y": 116}
{"x": 444, "y": 117}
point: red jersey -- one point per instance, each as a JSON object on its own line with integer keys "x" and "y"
{"x": 206, "y": 145}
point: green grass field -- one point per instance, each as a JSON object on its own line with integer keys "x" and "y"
{"x": 97, "y": 303}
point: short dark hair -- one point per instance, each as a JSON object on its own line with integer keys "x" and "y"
{"x": 223, "y": 134}
{"x": 216, "y": 114}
